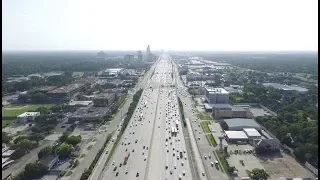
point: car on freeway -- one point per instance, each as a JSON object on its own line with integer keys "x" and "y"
{"x": 126, "y": 171}
{"x": 117, "y": 173}
{"x": 137, "y": 174}
{"x": 113, "y": 162}
{"x": 115, "y": 168}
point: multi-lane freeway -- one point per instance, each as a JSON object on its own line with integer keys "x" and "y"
{"x": 153, "y": 146}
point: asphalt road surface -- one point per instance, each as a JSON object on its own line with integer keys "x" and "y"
{"x": 148, "y": 141}
{"x": 205, "y": 149}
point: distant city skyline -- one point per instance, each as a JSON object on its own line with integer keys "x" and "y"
{"x": 248, "y": 25}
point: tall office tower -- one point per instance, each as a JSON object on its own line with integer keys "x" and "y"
{"x": 148, "y": 55}
{"x": 139, "y": 55}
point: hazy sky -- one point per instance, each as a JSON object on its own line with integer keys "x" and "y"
{"x": 164, "y": 24}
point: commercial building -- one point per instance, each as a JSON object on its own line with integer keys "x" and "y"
{"x": 110, "y": 83}
{"x": 140, "y": 55}
{"x": 199, "y": 77}
{"x": 252, "y": 133}
{"x": 235, "y": 136}
{"x": 49, "y": 161}
{"x": 66, "y": 91}
{"x": 45, "y": 89}
{"x": 27, "y": 116}
{"x": 237, "y": 124}
{"x": 88, "y": 114}
{"x": 80, "y": 103}
{"x": 286, "y": 88}
{"x": 104, "y": 99}
{"x": 129, "y": 57}
{"x": 217, "y": 95}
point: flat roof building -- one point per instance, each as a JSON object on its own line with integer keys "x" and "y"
{"x": 49, "y": 161}
{"x": 235, "y": 136}
{"x": 237, "y": 124}
{"x": 287, "y": 88}
{"x": 27, "y": 116}
{"x": 252, "y": 133}
{"x": 65, "y": 91}
{"x": 104, "y": 99}
{"x": 80, "y": 103}
{"x": 89, "y": 114}
{"x": 217, "y": 95}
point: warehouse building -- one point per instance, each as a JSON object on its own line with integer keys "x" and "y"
{"x": 286, "y": 88}
{"x": 234, "y": 136}
{"x": 237, "y": 124}
{"x": 252, "y": 133}
{"x": 27, "y": 116}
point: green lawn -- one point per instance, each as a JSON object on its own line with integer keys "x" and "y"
{"x": 204, "y": 116}
{"x": 222, "y": 162}
{"x": 16, "y": 112}
{"x": 205, "y": 126}
{"x": 79, "y": 74}
{"x": 89, "y": 147}
{"x": 212, "y": 140}
{"x": 6, "y": 123}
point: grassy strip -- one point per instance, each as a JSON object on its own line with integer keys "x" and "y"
{"x": 211, "y": 140}
{"x": 87, "y": 172}
{"x": 182, "y": 113}
{"x": 89, "y": 147}
{"x": 222, "y": 160}
{"x": 6, "y": 123}
{"x": 205, "y": 126}
{"x": 131, "y": 109}
{"x": 113, "y": 148}
{"x": 220, "y": 166}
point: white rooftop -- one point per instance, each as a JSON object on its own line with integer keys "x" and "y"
{"x": 84, "y": 103}
{"x": 216, "y": 90}
{"x": 236, "y": 135}
{"x": 29, "y": 114}
{"x": 251, "y": 132}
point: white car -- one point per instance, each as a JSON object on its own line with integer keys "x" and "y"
{"x": 113, "y": 162}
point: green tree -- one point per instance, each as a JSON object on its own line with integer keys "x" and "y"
{"x": 64, "y": 150}
{"x": 34, "y": 170}
{"x": 64, "y": 136}
{"x": 44, "y": 152}
{"x": 74, "y": 140}
{"x": 5, "y": 137}
{"x": 259, "y": 174}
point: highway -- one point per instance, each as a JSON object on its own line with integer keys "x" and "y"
{"x": 148, "y": 141}
{"x": 100, "y": 166}
{"x": 204, "y": 148}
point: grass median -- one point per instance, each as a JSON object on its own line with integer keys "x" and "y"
{"x": 205, "y": 126}
{"x": 211, "y": 140}
{"x": 222, "y": 160}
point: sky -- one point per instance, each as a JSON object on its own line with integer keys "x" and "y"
{"x": 219, "y": 25}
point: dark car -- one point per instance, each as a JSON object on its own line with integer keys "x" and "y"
{"x": 117, "y": 173}
{"x": 115, "y": 168}
{"x": 137, "y": 174}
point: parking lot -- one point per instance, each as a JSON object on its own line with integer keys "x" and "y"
{"x": 259, "y": 112}
{"x": 242, "y": 160}
{"x": 283, "y": 165}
